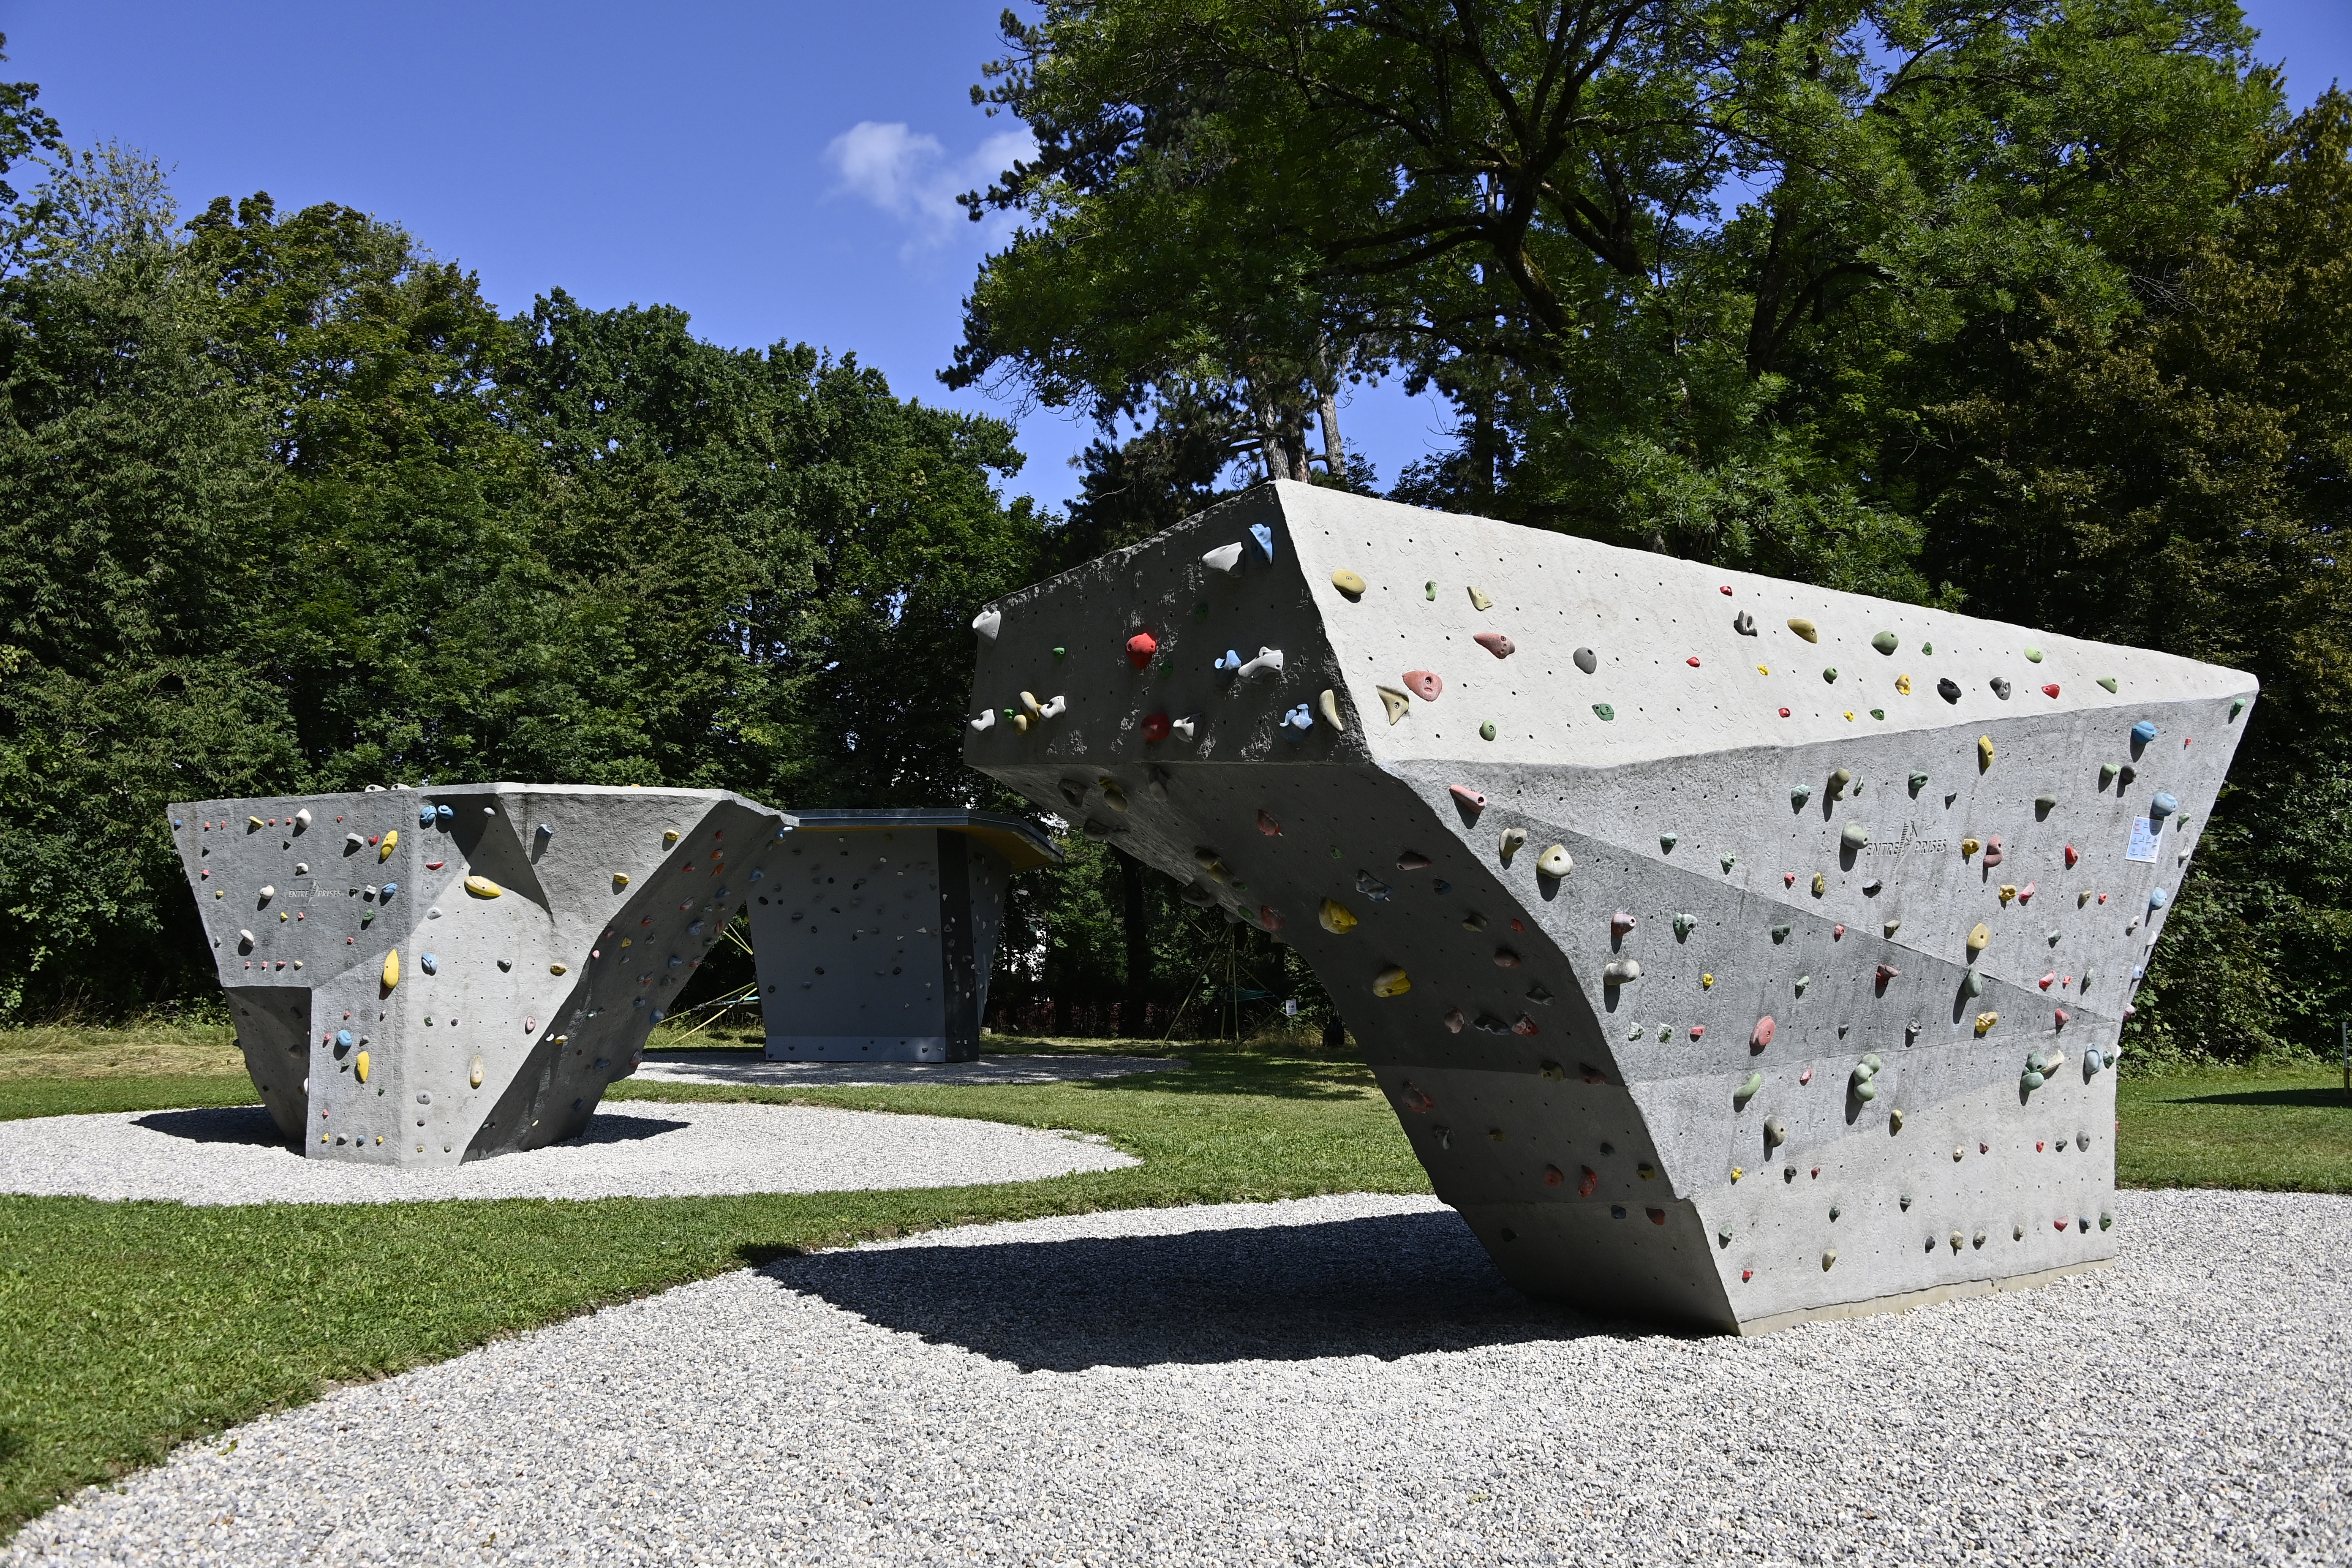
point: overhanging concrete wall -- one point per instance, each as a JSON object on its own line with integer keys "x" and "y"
{"x": 1818, "y": 1016}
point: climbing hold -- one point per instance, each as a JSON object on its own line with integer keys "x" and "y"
{"x": 1471, "y": 799}
{"x": 1949, "y": 690}
{"x": 2049, "y": 692}
{"x": 1336, "y": 918}
{"x": 2008, "y": 890}
{"x": 1223, "y": 558}
{"x": 1685, "y": 925}
{"x": 1263, "y": 534}
{"x": 359, "y": 1067}
{"x": 1620, "y": 923}
{"x": 1424, "y": 684}
{"x": 1855, "y": 837}
{"x": 1804, "y": 628}
{"x": 1496, "y": 643}
{"x": 1692, "y": 661}
{"x": 1891, "y": 927}
{"x": 1830, "y": 675}
{"x": 1585, "y": 660}
{"x": 1886, "y": 973}
{"x": 1480, "y": 601}
{"x": 1984, "y": 752}
{"x": 1707, "y": 982}
{"x": 1428, "y": 590}
{"x": 1298, "y": 718}
{"x": 1878, "y": 712}
{"x": 2000, "y": 686}
{"x": 1828, "y": 1260}
{"x": 1508, "y": 845}
{"x": 390, "y": 969}
{"x": 619, "y": 880}
{"x": 1838, "y": 781}
{"x": 2144, "y": 733}
{"x": 1802, "y": 981}
{"x": 1397, "y": 703}
{"x": 1761, "y": 1035}
{"x": 1780, "y": 933}
{"x": 1268, "y": 659}
{"x": 1994, "y": 855}
{"x": 1413, "y": 860}
{"x": 1603, "y": 712}
{"x": 1618, "y": 971}
{"x": 1139, "y": 649}
{"x": 2237, "y": 706}
{"x": 1155, "y": 727}
{"x": 1729, "y": 861}
{"x": 1486, "y": 731}
{"x": 988, "y": 622}
{"x": 1800, "y": 794}
{"x": 483, "y": 887}
{"x": 424, "y": 816}
{"x": 1885, "y": 642}
{"x": 1392, "y": 982}
{"x": 430, "y": 964}
{"x": 383, "y": 851}
{"x": 1820, "y": 884}
{"x": 1505, "y": 959}
{"x": 1776, "y": 1131}
{"x": 1349, "y": 582}
{"x": 987, "y": 721}
{"x": 2108, "y": 681}
{"x": 1894, "y": 1123}
{"x": 2163, "y": 806}
{"x": 1267, "y": 825}
{"x": 1373, "y": 888}
{"x": 1978, "y": 939}
{"x": 2158, "y": 898}
{"x": 1328, "y": 704}
{"x": 1744, "y": 623}
{"x": 1985, "y": 1021}
{"x": 1748, "y": 1091}
{"x": 2107, "y": 772}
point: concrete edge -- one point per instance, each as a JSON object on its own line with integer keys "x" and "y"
{"x": 1962, "y": 1290}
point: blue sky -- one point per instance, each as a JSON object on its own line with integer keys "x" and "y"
{"x": 778, "y": 171}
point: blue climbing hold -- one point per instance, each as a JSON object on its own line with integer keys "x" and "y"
{"x": 1298, "y": 721}
{"x": 2144, "y": 733}
{"x": 2158, "y": 898}
{"x": 424, "y": 816}
{"x": 446, "y": 813}
{"x": 1231, "y": 662}
{"x": 658, "y": 1015}
{"x": 2163, "y": 806}
{"x": 545, "y": 831}
{"x": 427, "y": 963}
{"x": 343, "y": 1039}
{"x": 389, "y": 889}
{"x": 1263, "y": 534}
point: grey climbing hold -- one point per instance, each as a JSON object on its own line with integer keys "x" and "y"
{"x": 1585, "y": 660}
{"x": 1513, "y": 839}
{"x": 1667, "y": 841}
{"x": 1744, "y": 623}
{"x": 1800, "y": 794}
{"x": 1918, "y": 782}
{"x": 1971, "y": 983}
{"x": 1729, "y": 861}
{"x": 1780, "y": 933}
{"x": 1839, "y": 780}
{"x": 1554, "y": 863}
{"x": 2000, "y": 686}
{"x": 1949, "y": 690}
{"x": 1776, "y": 1131}
{"x": 1685, "y": 925}
{"x": 2046, "y": 802}
{"x": 1618, "y": 971}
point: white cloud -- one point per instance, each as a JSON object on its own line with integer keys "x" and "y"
{"x": 911, "y": 177}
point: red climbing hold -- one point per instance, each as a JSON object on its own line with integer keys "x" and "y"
{"x": 1495, "y": 643}
{"x": 1526, "y": 1026}
{"x": 2048, "y": 978}
{"x": 1415, "y": 1098}
{"x": 1763, "y": 1037}
{"x": 1657, "y": 1217}
{"x": 1589, "y": 1073}
{"x": 1885, "y": 974}
{"x": 1155, "y": 727}
{"x": 1784, "y": 712}
{"x": 1141, "y": 647}
{"x": 1468, "y": 796}
{"x": 1588, "y": 1182}
{"x": 1268, "y": 919}
{"x": 2025, "y": 894}
{"x": 1519, "y": 925}
{"x": 1692, "y": 661}
{"x": 1424, "y": 684}
{"x": 1267, "y": 825}
{"x": 1453, "y": 1020}
{"x": 1554, "y": 1176}
{"x": 2073, "y": 855}
{"x": 2059, "y": 1222}
{"x": 2062, "y": 1017}
{"x": 1727, "y": 590}
{"x": 2049, "y": 691}
{"x": 1745, "y": 1274}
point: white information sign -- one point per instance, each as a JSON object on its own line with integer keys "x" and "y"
{"x": 2143, "y": 839}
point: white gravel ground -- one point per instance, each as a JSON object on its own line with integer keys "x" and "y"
{"x": 1337, "y": 1380}
{"x": 632, "y": 1148}
{"x": 744, "y": 1068}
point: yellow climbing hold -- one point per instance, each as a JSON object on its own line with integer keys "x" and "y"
{"x": 619, "y": 880}
{"x": 1328, "y": 706}
{"x": 1396, "y": 702}
{"x": 1480, "y": 601}
{"x": 2008, "y": 891}
{"x": 474, "y": 1075}
{"x": 1392, "y": 982}
{"x": 1828, "y": 1260}
{"x": 1820, "y": 884}
{"x": 1984, "y": 752}
{"x": 555, "y": 969}
{"x": 1348, "y": 583}
{"x": 1985, "y": 1021}
{"x": 1336, "y": 918}
{"x": 1763, "y": 669}
{"x": 1968, "y": 846}
{"x": 384, "y": 850}
{"x": 669, "y": 836}
{"x": 1804, "y": 628}
{"x": 1903, "y": 684}
{"x": 392, "y": 969}
{"x": 483, "y": 887}
{"x": 251, "y": 823}
{"x": 360, "y": 1066}
{"x": 1980, "y": 939}
{"x": 1707, "y": 982}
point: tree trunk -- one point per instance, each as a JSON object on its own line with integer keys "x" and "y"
{"x": 1335, "y": 461}
{"x": 1138, "y": 945}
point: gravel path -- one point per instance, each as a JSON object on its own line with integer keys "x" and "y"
{"x": 1339, "y": 1381}
{"x": 745, "y": 1068}
{"x": 634, "y": 1149}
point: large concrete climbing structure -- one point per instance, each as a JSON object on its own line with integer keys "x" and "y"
{"x": 425, "y": 976}
{"x": 1732, "y": 952}
{"x": 876, "y": 940}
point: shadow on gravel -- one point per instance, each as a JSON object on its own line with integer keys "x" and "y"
{"x": 248, "y": 1124}
{"x": 1388, "y": 1287}
{"x": 617, "y": 1127}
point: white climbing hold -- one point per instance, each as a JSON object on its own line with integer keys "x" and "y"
{"x": 1268, "y": 659}
{"x": 1619, "y": 970}
{"x": 1395, "y": 702}
{"x": 987, "y": 720}
{"x": 1329, "y": 705}
{"x": 1223, "y": 558}
{"x": 1554, "y": 863}
{"x": 988, "y": 622}
{"x": 1513, "y": 838}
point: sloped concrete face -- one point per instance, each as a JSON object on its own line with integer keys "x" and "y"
{"x": 1732, "y": 952}
{"x": 875, "y": 939}
{"x": 423, "y": 977}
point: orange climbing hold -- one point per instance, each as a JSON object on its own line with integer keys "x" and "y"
{"x": 1141, "y": 647}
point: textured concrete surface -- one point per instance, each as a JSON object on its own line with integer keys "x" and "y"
{"x": 646, "y": 1149}
{"x": 1339, "y": 1380}
{"x": 1654, "y": 893}
{"x": 732, "y": 1068}
{"x": 428, "y": 976}
{"x": 876, "y": 940}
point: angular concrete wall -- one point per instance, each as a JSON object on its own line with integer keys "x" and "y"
{"x": 421, "y": 977}
{"x": 875, "y": 939}
{"x": 1818, "y": 1016}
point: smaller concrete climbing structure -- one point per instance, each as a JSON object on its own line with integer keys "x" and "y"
{"x": 876, "y": 933}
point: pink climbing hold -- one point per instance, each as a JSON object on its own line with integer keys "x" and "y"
{"x": 2102, "y": 897}
{"x": 1554, "y": 1176}
{"x": 1495, "y": 643}
{"x": 1454, "y": 1020}
{"x": 1762, "y": 1037}
{"x": 1837, "y": 933}
{"x": 1156, "y": 727}
{"x": 2073, "y": 855}
{"x": 1141, "y": 647}
{"x": 1698, "y": 1031}
{"x": 2025, "y": 894}
{"x": 1505, "y": 959}
{"x": 1885, "y": 974}
{"x": 1424, "y": 684}
{"x": 1620, "y": 923}
{"x": 1468, "y": 796}
{"x": 2062, "y": 1017}
{"x": 1993, "y": 855}
{"x": 1413, "y": 1097}
{"x": 1588, "y": 1182}
{"x": 1526, "y": 1026}
{"x": 2049, "y": 691}
{"x": 1267, "y": 825}
{"x": 1787, "y": 878}
{"x": 1806, "y": 1076}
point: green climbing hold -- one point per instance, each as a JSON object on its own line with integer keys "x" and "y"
{"x": 1878, "y": 712}
{"x": 1918, "y": 783}
{"x": 1428, "y": 590}
{"x": 1603, "y": 712}
{"x": 2108, "y": 681}
{"x": 2107, "y": 772}
{"x": 1780, "y": 933}
{"x": 1830, "y": 674}
{"x": 2034, "y": 655}
{"x": 2237, "y": 706}
{"x": 1729, "y": 861}
{"x": 1885, "y": 642}
{"x": 1060, "y": 651}
{"x": 1800, "y": 794}
{"x": 1928, "y": 647}
{"x": 1486, "y": 731}
{"x": 1748, "y": 1091}
{"x": 1685, "y": 925}
{"x": 1803, "y": 981}
{"x": 1668, "y": 840}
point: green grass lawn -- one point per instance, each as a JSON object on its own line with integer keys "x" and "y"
{"x": 127, "y": 1328}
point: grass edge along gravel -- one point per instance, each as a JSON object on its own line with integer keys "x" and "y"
{"x": 127, "y": 1329}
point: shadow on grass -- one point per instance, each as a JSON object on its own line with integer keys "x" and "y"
{"x": 1239, "y": 1072}
{"x": 2326, "y": 1098}
{"x": 1386, "y": 1286}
